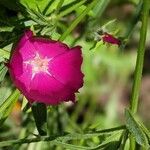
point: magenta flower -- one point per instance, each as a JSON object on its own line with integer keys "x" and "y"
{"x": 46, "y": 71}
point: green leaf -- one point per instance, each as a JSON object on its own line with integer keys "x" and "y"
{"x": 70, "y": 9}
{"x": 5, "y": 93}
{"x": 145, "y": 130}
{"x": 49, "y": 4}
{"x": 115, "y": 137}
{"x": 37, "y": 14}
{"x": 4, "y": 54}
{"x": 134, "y": 128}
{"x": 7, "y": 105}
{"x": 60, "y": 3}
{"x": 3, "y": 71}
{"x": 40, "y": 116}
{"x": 62, "y": 139}
{"x": 70, "y": 146}
{"x": 26, "y": 106}
{"x": 12, "y": 5}
{"x": 77, "y": 20}
{"x": 100, "y": 7}
{"x": 46, "y": 6}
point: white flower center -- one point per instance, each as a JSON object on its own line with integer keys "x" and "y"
{"x": 39, "y": 64}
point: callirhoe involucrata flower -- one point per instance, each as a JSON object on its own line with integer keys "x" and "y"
{"x": 45, "y": 70}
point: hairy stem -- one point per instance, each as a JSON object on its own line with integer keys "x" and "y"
{"x": 60, "y": 138}
{"x": 140, "y": 58}
{"x": 139, "y": 65}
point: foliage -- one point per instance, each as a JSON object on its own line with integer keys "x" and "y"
{"x": 93, "y": 121}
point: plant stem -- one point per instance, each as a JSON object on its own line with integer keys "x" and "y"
{"x": 77, "y": 20}
{"x": 63, "y": 138}
{"x": 139, "y": 65}
{"x": 140, "y": 58}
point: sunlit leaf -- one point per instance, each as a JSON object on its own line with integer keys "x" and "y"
{"x": 74, "y": 6}
{"x": 3, "y": 71}
{"x": 4, "y": 93}
{"x": 4, "y": 54}
{"x": 7, "y": 105}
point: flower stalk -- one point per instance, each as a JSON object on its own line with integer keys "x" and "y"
{"x": 139, "y": 65}
{"x": 62, "y": 137}
{"x": 140, "y": 58}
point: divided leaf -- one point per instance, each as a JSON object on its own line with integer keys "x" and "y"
{"x": 145, "y": 130}
{"x": 134, "y": 128}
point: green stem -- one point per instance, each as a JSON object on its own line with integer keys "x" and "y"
{"x": 139, "y": 65}
{"x": 63, "y": 138}
{"x": 77, "y": 20}
{"x": 140, "y": 58}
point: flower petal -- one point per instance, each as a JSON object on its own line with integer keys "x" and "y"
{"x": 49, "y": 91}
{"x": 49, "y": 82}
{"x": 49, "y": 48}
{"x": 67, "y": 68}
{"x": 25, "y": 46}
{"x": 15, "y": 65}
